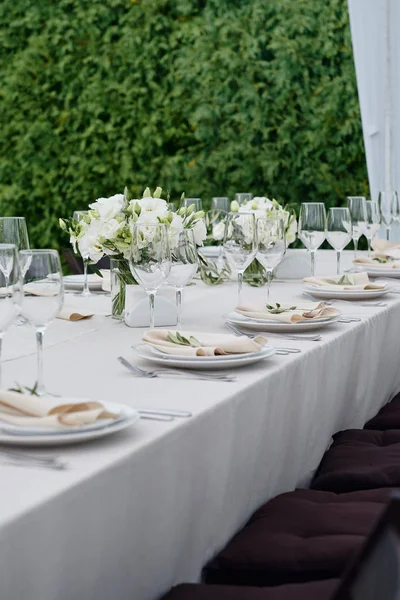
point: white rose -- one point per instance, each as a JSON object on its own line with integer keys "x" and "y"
{"x": 108, "y": 208}
{"x": 156, "y": 205}
{"x": 200, "y": 232}
{"x": 174, "y": 230}
{"x": 89, "y": 245}
{"x": 109, "y": 229}
{"x": 218, "y": 231}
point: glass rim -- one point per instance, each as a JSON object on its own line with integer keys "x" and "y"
{"x": 150, "y": 225}
{"x": 7, "y": 246}
{"x": 314, "y": 204}
{"x": 9, "y": 218}
{"x": 39, "y": 251}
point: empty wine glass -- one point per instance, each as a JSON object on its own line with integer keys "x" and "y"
{"x": 358, "y": 212}
{"x": 243, "y": 197}
{"x": 339, "y": 231}
{"x": 13, "y": 230}
{"x": 198, "y": 205}
{"x": 150, "y": 259}
{"x": 10, "y": 290}
{"x": 79, "y": 215}
{"x": 387, "y": 208}
{"x": 43, "y": 297}
{"x": 373, "y": 222}
{"x": 271, "y": 245}
{"x": 240, "y": 243}
{"x": 221, "y": 203}
{"x": 215, "y": 225}
{"x": 312, "y": 228}
{"x": 183, "y": 264}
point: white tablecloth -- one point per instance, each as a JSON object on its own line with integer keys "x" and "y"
{"x": 141, "y": 511}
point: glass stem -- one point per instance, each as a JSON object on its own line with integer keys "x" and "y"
{"x": 86, "y": 291}
{"x": 338, "y": 253}
{"x": 369, "y": 246}
{"x": 240, "y": 284}
{"x": 152, "y": 301}
{"x": 39, "y": 343}
{"x": 312, "y": 252}
{"x": 388, "y": 232}
{"x": 269, "y": 280}
{"x": 355, "y": 240}
{"x": 178, "y": 294}
{"x": 1, "y": 364}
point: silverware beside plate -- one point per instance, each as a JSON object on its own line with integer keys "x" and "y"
{"x": 139, "y": 372}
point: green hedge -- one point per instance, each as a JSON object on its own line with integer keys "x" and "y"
{"x": 206, "y": 96}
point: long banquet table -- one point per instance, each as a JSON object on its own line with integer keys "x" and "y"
{"x": 145, "y": 509}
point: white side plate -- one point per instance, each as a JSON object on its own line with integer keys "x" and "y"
{"x": 346, "y": 294}
{"x": 254, "y": 325}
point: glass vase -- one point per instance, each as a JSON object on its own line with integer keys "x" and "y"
{"x": 121, "y": 276}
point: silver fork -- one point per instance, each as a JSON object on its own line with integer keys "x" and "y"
{"x": 280, "y": 350}
{"x": 160, "y": 372}
{"x": 334, "y": 301}
{"x": 32, "y": 460}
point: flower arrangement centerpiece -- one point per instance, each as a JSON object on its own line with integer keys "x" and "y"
{"x": 261, "y": 206}
{"x": 106, "y": 230}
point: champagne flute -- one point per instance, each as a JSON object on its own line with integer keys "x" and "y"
{"x": 221, "y": 203}
{"x": 240, "y": 243}
{"x": 150, "y": 259}
{"x": 11, "y": 290}
{"x": 198, "y": 205}
{"x": 43, "y": 299}
{"x": 373, "y": 222}
{"x": 183, "y": 264}
{"x": 358, "y": 212}
{"x": 312, "y": 228}
{"x": 271, "y": 245}
{"x": 243, "y": 197}
{"x": 79, "y": 215}
{"x": 388, "y": 209}
{"x": 339, "y": 231}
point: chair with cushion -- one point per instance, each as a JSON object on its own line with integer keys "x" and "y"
{"x": 388, "y": 417}
{"x": 299, "y": 536}
{"x": 360, "y": 459}
{"x": 320, "y": 590}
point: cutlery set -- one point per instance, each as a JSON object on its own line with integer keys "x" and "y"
{"x": 138, "y": 372}
{"x": 23, "y": 459}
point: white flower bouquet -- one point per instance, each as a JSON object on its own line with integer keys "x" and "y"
{"x": 106, "y": 230}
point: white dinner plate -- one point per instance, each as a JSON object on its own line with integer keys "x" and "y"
{"x": 30, "y": 437}
{"x": 264, "y": 325}
{"x": 346, "y": 294}
{"x": 202, "y": 362}
{"x": 75, "y": 282}
{"x": 378, "y": 272}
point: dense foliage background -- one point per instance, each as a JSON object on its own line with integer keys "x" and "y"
{"x": 207, "y": 96}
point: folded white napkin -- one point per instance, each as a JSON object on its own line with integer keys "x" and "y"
{"x": 72, "y": 314}
{"x": 377, "y": 263}
{"x": 203, "y": 344}
{"x": 41, "y": 411}
{"x": 291, "y": 313}
{"x": 349, "y": 281}
{"x": 384, "y": 248}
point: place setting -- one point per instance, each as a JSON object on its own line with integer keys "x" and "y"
{"x": 349, "y": 286}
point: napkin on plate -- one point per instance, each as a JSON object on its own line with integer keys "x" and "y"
{"x": 377, "y": 263}
{"x": 69, "y": 313}
{"x": 41, "y": 411}
{"x": 383, "y": 251}
{"x": 289, "y": 313}
{"x": 203, "y": 344}
{"x": 349, "y": 281}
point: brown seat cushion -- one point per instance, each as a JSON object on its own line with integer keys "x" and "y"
{"x": 320, "y": 590}
{"x": 299, "y": 536}
{"x": 360, "y": 459}
{"x": 388, "y": 417}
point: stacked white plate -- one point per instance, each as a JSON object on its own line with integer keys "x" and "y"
{"x": 320, "y": 292}
{"x": 272, "y": 325}
{"x": 375, "y": 271}
{"x": 75, "y": 282}
{"x": 44, "y": 436}
{"x": 202, "y": 362}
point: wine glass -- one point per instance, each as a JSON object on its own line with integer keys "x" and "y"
{"x": 13, "y": 230}
{"x": 221, "y": 203}
{"x": 312, "y": 228}
{"x": 240, "y": 243}
{"x": 183, "y": 264}
{"x": 198, "y": 205}
{"x": 373, "y": 222}
{"x": 215, "y": 225}
{"x": 79, "y": 215}
{"x": 271, "y": 245}
{"x": 150, "y": 259}
{"x": 388, "y": 210}
{"x": 243, "y": 197}
{"x": 339, "y": 231}
{"x": 10, "y": 289}
{"x": 358, "y": 212}
{"x": 44, "y": 296}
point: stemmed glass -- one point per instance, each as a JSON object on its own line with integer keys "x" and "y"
{"x": 358, "y": 211}
{"x": 183, "y": 264}
{"x": 215, "y": 225}
{"x": 11, "y": 289}
{"x": 339, "y": 231}
{"x": 13, "y": 230}
{"x": 198, "y": 205}
{"x": 243, "y": 197}
{"x": 221, "y": 203}
{"x": 79, "y": 215}
{"x": 389, "y": 210}
{"x": 312, "y": 228}
{"x": 373, "y": 222}
{"x": 271, "y": 245}
{"x": 150, "y": 259}
{"x": 44, "y": 296}
{"x": 240, "y": 243}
